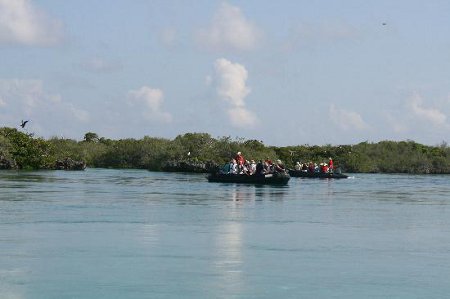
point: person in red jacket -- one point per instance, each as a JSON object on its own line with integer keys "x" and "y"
{"x": 330, "y": 165}
{"x": 239, "y": 159}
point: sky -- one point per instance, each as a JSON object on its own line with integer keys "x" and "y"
{"x": 283, "y": 72}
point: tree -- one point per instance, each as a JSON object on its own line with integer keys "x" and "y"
{"x": 91, "y": 137}
{"x": 28, "y": 152}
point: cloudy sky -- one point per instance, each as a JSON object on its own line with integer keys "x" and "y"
{"x": 284, "y": 72}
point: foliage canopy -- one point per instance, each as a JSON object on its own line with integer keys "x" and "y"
{"x": 28, "y": 152}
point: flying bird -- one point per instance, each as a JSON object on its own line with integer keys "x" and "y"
{"x": 24, "y": 123}
{"x": 384, "y": 24}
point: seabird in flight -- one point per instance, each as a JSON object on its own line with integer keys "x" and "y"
{"x": 24, "y": 123}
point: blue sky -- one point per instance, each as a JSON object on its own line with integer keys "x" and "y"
{"x": 284, "y": 72}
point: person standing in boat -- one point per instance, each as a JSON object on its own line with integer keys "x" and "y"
{"x": 330, "y": 165}
{"x": 239, "y": 159}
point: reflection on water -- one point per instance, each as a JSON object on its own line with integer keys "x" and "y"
{"x": 136, "y": 234}
{"x": 228, "y": 248}
{"x": 271, "y": 192}
{"x": 251, "y": 193}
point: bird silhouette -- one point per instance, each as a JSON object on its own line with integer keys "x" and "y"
{"x": 24, "y": 123}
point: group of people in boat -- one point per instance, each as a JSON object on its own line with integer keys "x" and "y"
{"x": 314, "y": 167}
{"x": 238, "y": 165}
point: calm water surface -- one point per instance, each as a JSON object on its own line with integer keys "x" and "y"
{"x": 139, "y": 234}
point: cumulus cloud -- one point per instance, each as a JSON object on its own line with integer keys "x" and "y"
{"x": 149, "y": 102}
{"x": 241, "y": 117}
{"x": 229, "y": 30}
{"x": 22, "y": 23}
{"x": 346, "y": 120}
{"x": 430, "y": 115}
{"x": 28, "y": 99}
{"x": 230, "y": 83}
{"x": 231, "y": 78}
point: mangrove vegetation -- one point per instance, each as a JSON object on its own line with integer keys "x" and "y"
{"x": 201, "y": 152}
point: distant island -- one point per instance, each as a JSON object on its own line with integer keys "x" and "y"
{"x": 200, "y": 152}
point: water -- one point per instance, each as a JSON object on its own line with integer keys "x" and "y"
{"x": 138, "y": 234}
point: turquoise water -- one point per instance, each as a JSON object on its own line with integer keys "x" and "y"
{"x": 139, "y": 234}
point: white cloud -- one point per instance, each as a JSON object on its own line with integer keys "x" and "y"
{"x": 231, "y": 78}
{"x": 431, "y": 115}
{"x": 415, "y": 119}
{"x": 27, "y": 99}
{"x": 22, "y": 23}
{"x": 229, "y": 30}
{"x": 347, "y": 120}
{"x": 230, "y": 83}
{"x": 149, "y": 101}
{"x": 241, "y": 117}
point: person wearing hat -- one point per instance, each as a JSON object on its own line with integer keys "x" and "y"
{"x": 279, "y": 166}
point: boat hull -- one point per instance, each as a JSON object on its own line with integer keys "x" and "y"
{"x": 301, "y": 174}
{"x": 270, "y": 179}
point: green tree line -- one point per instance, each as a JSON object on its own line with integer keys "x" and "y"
{"x": 24, "y": 151}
